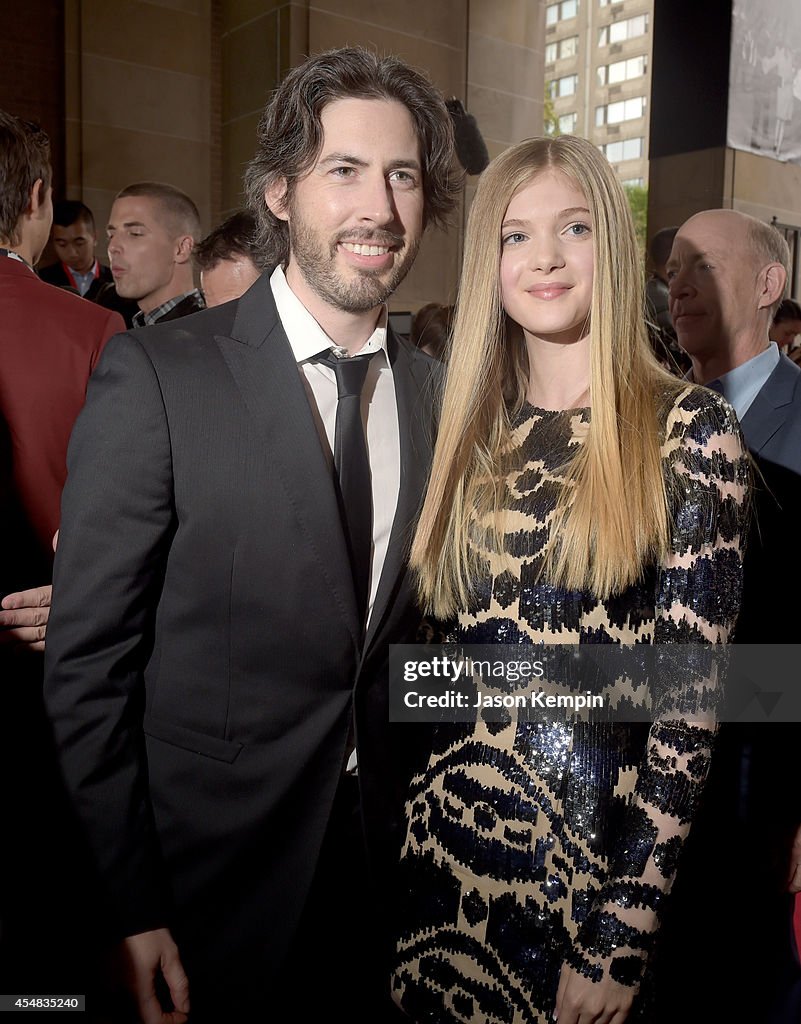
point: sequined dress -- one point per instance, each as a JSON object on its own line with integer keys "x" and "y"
{"x": 531, "y": 844}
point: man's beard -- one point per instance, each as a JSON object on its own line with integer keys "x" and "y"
{"x": 360, "y": 291}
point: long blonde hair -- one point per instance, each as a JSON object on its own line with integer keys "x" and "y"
{"x": 612, "y": 516}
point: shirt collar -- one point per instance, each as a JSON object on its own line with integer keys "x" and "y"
{"x": 306, "y": 337}
{"x": 141, "y": 319}
{"x": 741, "y": 385}
{"x": 82, "y": 280}
{"x": 91, "y": 272}
{"x": 16, "y": 256}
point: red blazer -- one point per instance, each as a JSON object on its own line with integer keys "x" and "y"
{"x": 50, "y": 341}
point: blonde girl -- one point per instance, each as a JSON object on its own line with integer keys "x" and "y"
{"x": 579, "y": 494}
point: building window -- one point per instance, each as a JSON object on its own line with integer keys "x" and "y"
{"x": 620, "y": 31}
{"x": 567, "y": 124}
{"x": 622, "y": 70}
{"x": 563, "y": 86}
{"x": 625, "y": 149}
{"x": 562, "y": 48}
{"x": 633, "y": 183}
{"x": 561, "y": 11}
{"x": 623, "y": 110}
{"x": 603, "y": 3}
{"x": 568, "y": 47}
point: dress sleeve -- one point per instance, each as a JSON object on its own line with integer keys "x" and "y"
{"x": 698, "y": 589}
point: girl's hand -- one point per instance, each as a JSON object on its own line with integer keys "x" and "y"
{"x": 581, "y": 1001}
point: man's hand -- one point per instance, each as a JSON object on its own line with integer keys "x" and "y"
{"x": 23, "y": 618}
{"x": 143, "y": 957}
{"x": 581, "y": 1001}
{"x": 24, "y": 615}
{"x": 794, "y": 878}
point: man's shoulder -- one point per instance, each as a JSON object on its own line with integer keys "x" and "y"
{"x": 54, "y": 274}
{"x": 789, "y": 369}
{"x": 195, "y": 329}
{"x": 415, "y": 356}
{"x": 772, "y": 425}
{"x": 426, "y": 372}
{"x": 37, "y": 298}
{"x": 75, "y": 309}
{"x": 247, "y": 319}
{"x": 784, "y": 385}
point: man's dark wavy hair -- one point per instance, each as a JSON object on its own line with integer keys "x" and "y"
{"x": 24, "y": 158}
{"x": 290, "y": 132}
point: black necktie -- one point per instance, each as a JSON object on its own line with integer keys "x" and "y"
{"x": 352, "y": 467}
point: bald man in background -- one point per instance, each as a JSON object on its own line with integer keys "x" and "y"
{"x": 733, "y": 910}
{"x": 727, "y": 274}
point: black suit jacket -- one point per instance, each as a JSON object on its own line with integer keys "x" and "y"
{"x": 772, "y": 431}
{"x": 56, "y": 275}
{"x": 203, "y": 655}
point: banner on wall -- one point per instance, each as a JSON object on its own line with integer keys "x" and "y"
{"x": 765, "y": 79}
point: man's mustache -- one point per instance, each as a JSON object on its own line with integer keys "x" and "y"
{"x": 373, "y": 237}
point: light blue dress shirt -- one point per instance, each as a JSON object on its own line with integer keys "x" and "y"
{"x": 741, "y": 385}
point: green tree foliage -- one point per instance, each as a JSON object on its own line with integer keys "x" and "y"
{"x": 637, "y": 196}
{"x": 550, "y": 122}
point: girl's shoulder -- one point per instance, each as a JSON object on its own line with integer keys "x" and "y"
{"x": 693, "y": 413}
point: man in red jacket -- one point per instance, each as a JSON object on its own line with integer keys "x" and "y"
{"x": 49, "y": 344}
{"x": 50, "y": 341}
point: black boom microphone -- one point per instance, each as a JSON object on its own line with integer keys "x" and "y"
{"x": 470, "y": 146}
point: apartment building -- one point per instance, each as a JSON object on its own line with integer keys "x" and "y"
{"x": 598, "y": 76}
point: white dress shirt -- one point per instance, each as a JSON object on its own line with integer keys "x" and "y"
{"x": 379, "y": 410}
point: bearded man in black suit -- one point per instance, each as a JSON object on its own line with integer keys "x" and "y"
{"x": 217, "y": 649}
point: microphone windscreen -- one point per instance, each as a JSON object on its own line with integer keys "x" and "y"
{"x": 470, "y": 146}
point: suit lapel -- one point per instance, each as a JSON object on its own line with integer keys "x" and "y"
{"x": 261, "y": 362}
{"x": 412, "y": 380}
{"x": 769, "y": 410}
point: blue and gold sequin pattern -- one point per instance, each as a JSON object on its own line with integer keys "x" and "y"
{"x": 532, "y": 844}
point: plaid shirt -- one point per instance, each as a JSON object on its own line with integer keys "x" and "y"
{"x": 141, "y": 319}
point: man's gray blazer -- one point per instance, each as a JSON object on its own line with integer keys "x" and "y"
{"x": 772, "y": 424}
